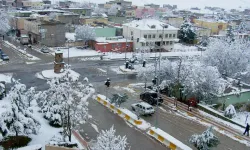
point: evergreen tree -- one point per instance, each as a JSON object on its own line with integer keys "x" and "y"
{"x": 17, "y": 119}
{"x": 242, "y": 27}
{"x": 205, "y": 141}
{"x": 187, "y": 33}
{"x": 230, "y": 34}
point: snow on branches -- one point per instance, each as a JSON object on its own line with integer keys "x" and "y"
{"x": 230, "y": 57}
{"x": 205, "y": 141}
{"x": 65, "y": 102}
{"x": 107, "y": 140}
{"x": 17, "y": 119}
{"x": 187, "y": 33}
{"x": 230, "y": 111}
{"x": 113, "y": 10}
{"x": 4, "y": 22}
{"x": 85, "y": 33}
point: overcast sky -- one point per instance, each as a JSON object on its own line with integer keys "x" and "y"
{"x": 228, "y": 4}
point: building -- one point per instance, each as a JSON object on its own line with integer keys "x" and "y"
{"x": 123, "y": 3}
{"x": 141, "y": 12}
{"x": 149, "y": 34}
{"x": 94, "y": 21}
{"x": 174, "y": 21}
{"x": 46, "y": 32}
{"x": 130, "y": 13}
{"x": 69, "y": 18}
{"x": 201, "y": 31}
{"x": 152, "y": 6}
{"x": 80, "y": 11}
{"x": 215, "y": 26}
{"x": 32, "y": 4}
{"x": 113, "y": 44}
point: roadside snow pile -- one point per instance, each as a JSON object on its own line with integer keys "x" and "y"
{"x": 123, "y": 69}
{"x": 242, "y": 118}
{"x": 6, "y": 77}
{"x": 124, "y": 88}
{"x": 49, "y": 74}
{"x": 230, "y": 111}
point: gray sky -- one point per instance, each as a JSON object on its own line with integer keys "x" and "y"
{"x": 228, "y": 4}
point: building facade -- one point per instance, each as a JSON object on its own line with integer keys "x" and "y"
{"x": 150, "y": 34}
{"x": 215, "y": 26}
{"x": 80, "y": 11}
{"x": 46, "y": 32}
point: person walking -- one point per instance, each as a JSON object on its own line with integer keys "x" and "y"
{"x": 246, "y": 130}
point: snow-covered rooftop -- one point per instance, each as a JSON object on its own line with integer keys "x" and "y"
{"x": 70, "y": 36}
{"x": 149, "y": 24}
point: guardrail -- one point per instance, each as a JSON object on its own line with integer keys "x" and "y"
{"x": 122, "y": 113}
{"x": 167, "y": 139}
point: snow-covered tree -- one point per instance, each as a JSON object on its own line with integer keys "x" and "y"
{"x": 230, "y": 33}
{"x": 204, "y": 141}
{"x": 99, "y": 11}
{"x": 230, "y": 111}
{"x": 231, "y": 58}
{"x": 187, "y": 33}
{"x": 85, "y": 33}
{"x": 193, "y": 77}
{"x": 242, "y": 28}
{"x": 118, "y": 99}
{"x": 107, "y": 140}
{"x": 4, "y": 23}
{"x": 52, "y": 16}
{"x": 114, "y": 9}
{"x": 30, "y": 95}
{"x": 66, "y": 102}
{"x": 17, "y": 119}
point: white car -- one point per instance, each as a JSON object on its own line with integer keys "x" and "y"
{"x": 143, "y": 108}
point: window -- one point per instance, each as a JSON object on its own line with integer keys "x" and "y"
{"x": 166, "y": 35}
{"x": 149, "y": 36}
{"x": 173, "y": 35}
{"x": 142, "y": 44}
{"x": 167, "y": 42}
{"x": 113, "y": 46}
{"x": 164, "y": 42}
{"x": 145, "y": 36}
{"x": 132, "y": 33}
{"x": 170, "y": 35}
{"x": 153, "y": 36}
{"x": 160, "y": 35}
{"x": 147, "y": 44}
{"x": 171, "y": 42}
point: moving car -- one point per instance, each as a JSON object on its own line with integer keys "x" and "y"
{"x": 4, "y": 57}
{"x": 151, "y": 97}
{"x": 45, "y": 50}
{"x": 143, "y": 108}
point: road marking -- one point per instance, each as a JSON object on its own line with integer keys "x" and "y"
{"x": 102, "y": 70}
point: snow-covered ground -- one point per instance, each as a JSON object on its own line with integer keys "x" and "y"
{"x": 74, "y": 52}
{"x": 49, "y": 74}
{"x": 6, "y": 77}
{"x": 183, "y": 48}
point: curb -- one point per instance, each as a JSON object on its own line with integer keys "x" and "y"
{"x": 80, "y": 139}
{"x": 14, "y": 48}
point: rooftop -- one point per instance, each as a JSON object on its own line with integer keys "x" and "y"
{"x": 149, "y": 24}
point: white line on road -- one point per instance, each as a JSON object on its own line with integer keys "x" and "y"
{"x": 101, "y": 70}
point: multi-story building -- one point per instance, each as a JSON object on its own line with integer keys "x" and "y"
{"x": 94, "y": 21}
{"x": 174, "y": 21}
{"x": 123, "y": 3}
{"x": 202, "y": 31}
{"x": 150, "y": 34}
{"x": 46, "y": 32}
{"x": 215, "y": 26}
{"x": 69, "y": 18}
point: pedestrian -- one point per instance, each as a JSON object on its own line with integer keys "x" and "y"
{"x": 246, "y": 130}
{"x": 188, "y": 105}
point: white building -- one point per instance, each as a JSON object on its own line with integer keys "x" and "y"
{"x": 150, "y": 34}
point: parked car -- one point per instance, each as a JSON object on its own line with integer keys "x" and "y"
{"x": 45, "y": 50}
{"x": 151, "y": 97}
{"x": 143, "y": 108}
{"x": 4, "y": 57}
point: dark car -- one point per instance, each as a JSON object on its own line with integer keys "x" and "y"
{"x": 4, "y": 57}
{"x": 151, "y": 98}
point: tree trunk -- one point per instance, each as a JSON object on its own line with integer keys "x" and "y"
{"x": 69, "y": 128}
